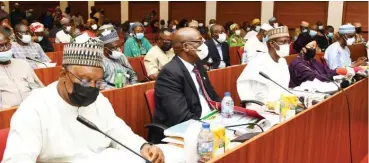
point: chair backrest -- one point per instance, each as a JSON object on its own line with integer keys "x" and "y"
{"x": 144, "y": 68}
{"x": 240, "y": 52}
{"x": 150, "y": 101}
{"x": 3, "y": 138}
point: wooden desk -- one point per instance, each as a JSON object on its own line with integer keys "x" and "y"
{"x": 56, "y": 57}
{"x": 58, "y": 46}
{"x": 233, "y": 55}
{"x": 319, "y": 134}
{"x": 48, "y": 75}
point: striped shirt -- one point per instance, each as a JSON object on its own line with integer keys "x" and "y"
{"x": 111, "y": 65}
{"x": 32, "y": 50}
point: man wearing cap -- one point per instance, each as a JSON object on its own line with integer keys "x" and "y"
{"x": 38, "y": 35}
{"x": 251, "y": 85}
{"x": 25, "y": 47}
{"x": 64, "y": 36}
{"x": 114, "y": 60}
{"x": 160, "y": 54}
{"x": 45, "y": 129}
{"x": 304, "y": 37}
{"x": 17, "y": 78}
{"x": 255, "y": 28}
{"x": 256, "y": 44}
{"x": 306, "y": 68}
{"x": 338, "y": 54}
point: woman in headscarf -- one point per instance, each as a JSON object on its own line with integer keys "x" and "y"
{"x": 137, "y": 45}
{"x": 91, "y": 28}
{"x": 235, "y": 39}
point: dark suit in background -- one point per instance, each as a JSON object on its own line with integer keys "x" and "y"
{"x": 176, "y": 97}
{"x": 214, "y": 53}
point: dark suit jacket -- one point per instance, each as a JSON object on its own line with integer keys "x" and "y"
{"x": 214, "y": 54}
{"x": 176, "y": 97}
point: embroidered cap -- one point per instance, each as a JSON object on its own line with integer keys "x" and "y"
{"x": 109, "y": 38}
{"x": 278, "y": 32}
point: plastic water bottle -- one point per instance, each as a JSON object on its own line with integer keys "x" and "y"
{"x": 119, "y": 79}
{"x": 227, "y": 105}
{"x": 244, "y": 58}
{"x": 205, "y": 143}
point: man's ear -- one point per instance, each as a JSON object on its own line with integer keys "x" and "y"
{"x": 185, "y": 48}
{"x": 63, "y": 74}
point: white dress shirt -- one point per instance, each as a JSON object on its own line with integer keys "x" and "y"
{"x": 62, "y": 37}
{"x": 219, "y": 48}
{"x": 204, "y": 104}
{"x": 336, "y": 56}
{"x": 250, "y": 34}
{"x": 252, "y": 48}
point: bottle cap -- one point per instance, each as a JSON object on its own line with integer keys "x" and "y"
{"x": 227, "y": 94}
{"x": 205, "y": 125}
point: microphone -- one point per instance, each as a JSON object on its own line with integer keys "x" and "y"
{"x": 92, "y": 126}
{"x": 267, "y": 77}
{"x": 35, "y": 60}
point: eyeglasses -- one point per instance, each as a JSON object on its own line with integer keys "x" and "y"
{"x": 86, "y": 82}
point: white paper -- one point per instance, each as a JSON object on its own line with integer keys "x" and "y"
{"x": 317, "y": 85}
{"x": 40, "y": 65}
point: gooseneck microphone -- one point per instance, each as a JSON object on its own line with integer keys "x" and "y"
{"x": 35, "y": 60}
{"x": 267, "y": 77}
{"x": 92, "y": 126}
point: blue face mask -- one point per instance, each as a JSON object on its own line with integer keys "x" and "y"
{"x": 139, "y": 35}
{"x": 265, "y": 38}
{"x": 257, "y": 28}
{"x": 330, "y": 35}
{"x": 312, "y": 33}
{"x": 6, "y": 56}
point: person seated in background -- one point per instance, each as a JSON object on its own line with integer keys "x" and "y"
{"x": 329, "y": 33}
{"x": 78, "y": 19}
{"x": 235, "y": 38}
{"x": 218, "y": 48}
{"x": 162, "y": 23}
{"x": 91, "y": 28}
{"x": 193, "y": 24}
{"x": 359, "y": 39}
{"x": 3, "y": 13}
{"x": 25, "y": 47}
{"x": 114, "y": 60}
{"x": 212, "y": 22}
{"x": 137, "y": 45}
{"x": 160, "y": 54}
{"x": 57, "y": 27}
{"x": 183, "y": 90}
{"x": 313, "y": 32}
{"x": 64, "y": 35}
{"x": 182, "y": 23}
{"x": 125, "y": 29}
{"x": 306, "y": 68}
{"x": 245, "y": 29}
{"x": 338, "y": 54}
{"x": 273, "y": 22}
{"x": 38, "y": 36}
{"x": 256, "y": 44}
{"x": 255, "y": 28}
{"x": 17, "y": 77}
{"x": 6, "y": 29}
{"x": 251, "y": 85}
{"x": 204, "y": 31}
{"x": 44, "y": 127}
{"x": 171, "y": 26}
{"x": 25, "y": 22}
{"x": 304, "y": 37}
{"x": 153, "y": 27}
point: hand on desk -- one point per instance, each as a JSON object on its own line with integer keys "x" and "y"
{"x": 153, "y": 153}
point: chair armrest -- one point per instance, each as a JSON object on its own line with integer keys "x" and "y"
{"x": 244, "y": 102}
{"x": 156, "y": 126}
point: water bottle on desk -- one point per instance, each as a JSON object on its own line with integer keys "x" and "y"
{"x": 205, "y": 142}
{"x": 119, "y": 79}
{"x": 227, "y": 105}
{"x": 210, "y": 63}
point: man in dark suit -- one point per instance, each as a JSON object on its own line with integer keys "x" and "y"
{"x": 218, "y": 48}
{"x": 183, "y": 90}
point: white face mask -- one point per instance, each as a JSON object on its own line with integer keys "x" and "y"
{"x": 284, "y": 50}
{"x": 39, "y": 38}
{"x": 26, "y": 39}
{"x": 222, "y": 37}
{"x": 202, "y": 51}
{"x": 6, "y": 55}
{"x": 350, "y": 41}
{"x": 200, "y": 24}
{"x": 68, "y": 28}
{"x": 116, "y": 54}
{"x": 145, "y": 23}
{"x": 237, "y": 32}
{"x": 174, "y": 27}
{"x": 94, "y": 27}
{"x": 3, "y": 7}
